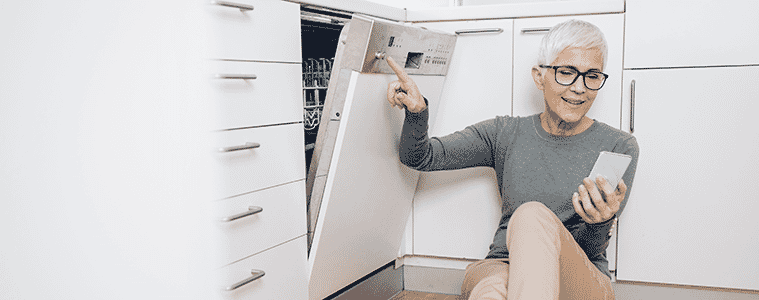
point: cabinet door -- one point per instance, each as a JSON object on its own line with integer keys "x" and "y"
{"x": 691, "y": 216}
{"x": 456, "y": 213}
{"x": 691, "y": 33}
{"x": 528, "y": 33}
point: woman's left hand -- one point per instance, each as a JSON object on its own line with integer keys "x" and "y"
{"x": 591, "y": 206}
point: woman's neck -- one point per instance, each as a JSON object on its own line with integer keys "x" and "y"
{"x": 556, "y": 126}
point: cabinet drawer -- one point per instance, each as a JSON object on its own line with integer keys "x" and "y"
{"x": 283, "y": 217}
{"x": 286, "y": 274}
{"x": 268, "y": 32}
{"x": 275, "y": 96}
{"x": 279, "y": 159}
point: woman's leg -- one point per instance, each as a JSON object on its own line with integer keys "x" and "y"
{"x": 485, "y": 280}
{"x": 546, "y": 262}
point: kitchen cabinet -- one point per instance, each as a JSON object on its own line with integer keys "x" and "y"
{"x": 105, "y": 175}
{"x": 477, "y": 87}
{"x": 681, "y": 33}
{"x": 690, "y": 217}
{"x": 259, "y": 201}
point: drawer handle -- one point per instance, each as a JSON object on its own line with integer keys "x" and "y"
{"x": 256, "y": 275}
{"x": 252, "y": 210}
{"x": 536, "y": 30}
{"x": 241, "y": 7}
{"x": 237, "y": 76}
{"x": 476, "y": 31}
{"x": 247, "y": 146}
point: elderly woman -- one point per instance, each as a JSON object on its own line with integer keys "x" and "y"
{"x": 552, "y": 238}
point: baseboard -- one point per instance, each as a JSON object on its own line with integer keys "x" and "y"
{"x": 382, "y": 284}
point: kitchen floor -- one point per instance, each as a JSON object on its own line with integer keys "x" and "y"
{"x": 412, "y": 295}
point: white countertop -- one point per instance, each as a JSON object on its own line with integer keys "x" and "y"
{"x": 474, "y": 12}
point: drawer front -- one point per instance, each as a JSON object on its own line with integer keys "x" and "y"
{"x": 283, "y": 217}
{"x": 279, "y": 159}
{"x": 286, "y": 274}
{"x": 275, "y": 96}
{"x": 269, "y": 32}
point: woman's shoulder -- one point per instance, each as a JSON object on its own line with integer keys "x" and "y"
{"x": 619, "y": 137}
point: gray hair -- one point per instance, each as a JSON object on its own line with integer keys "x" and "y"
{"x": 571, "y": 34}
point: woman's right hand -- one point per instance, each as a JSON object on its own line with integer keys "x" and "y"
{"x": 403, "y": 93}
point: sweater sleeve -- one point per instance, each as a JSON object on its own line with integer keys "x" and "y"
{"x": 471, "y": 147}
{"x": 594, "y": 238}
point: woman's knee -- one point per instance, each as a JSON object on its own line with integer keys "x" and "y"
{"x": 531, "y": 208}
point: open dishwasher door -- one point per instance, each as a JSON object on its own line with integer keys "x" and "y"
{"x": 360, "y": 193}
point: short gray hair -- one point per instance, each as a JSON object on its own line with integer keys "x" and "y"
{"x": 571, "y": 33}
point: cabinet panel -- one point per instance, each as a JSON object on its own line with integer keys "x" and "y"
{"x": 528, "y": 99}
{"x": 275, "y": 96}
{"x": 279, "y": 159}
{"x": 286, "y": 274}
{"x": 283, "y": 217}
{"x": 691, "y": 216}
{"x": 690, "y": 33}
{"x": 268, "y": 32}
{"x": 459, "y": 218}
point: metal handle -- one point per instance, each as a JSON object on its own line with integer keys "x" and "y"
{"x": 236, "y": 76}
{"x": 536, "y": 30}
{"x": 632, "y": 106}
{"x": 241, "y": 7}
{"x": 256, "y": 275}
{"x": 476, "y": 31}
{"x": 247, "y": 146}
{"x": 252, "y": 210}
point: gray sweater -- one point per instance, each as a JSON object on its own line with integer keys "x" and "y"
{"x": 531, "y": 165}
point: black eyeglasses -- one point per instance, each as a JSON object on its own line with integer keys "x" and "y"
{"x": 567, "y": 75}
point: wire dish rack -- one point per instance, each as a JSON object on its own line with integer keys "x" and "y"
{"x": 316, "y": 73}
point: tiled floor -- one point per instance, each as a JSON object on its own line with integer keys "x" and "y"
{"x": 412, "y": 295}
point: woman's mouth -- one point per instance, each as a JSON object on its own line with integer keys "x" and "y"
{"x": 573, "y": 102}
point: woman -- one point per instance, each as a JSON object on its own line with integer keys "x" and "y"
{"x": 552, "y": 238}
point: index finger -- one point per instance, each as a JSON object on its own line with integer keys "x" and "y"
{"x": 402, "y": 76}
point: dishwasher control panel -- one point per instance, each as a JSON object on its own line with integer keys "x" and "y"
{"x": 421, "y": 51}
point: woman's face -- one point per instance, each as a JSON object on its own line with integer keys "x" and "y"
{"x": 569, "y": 103}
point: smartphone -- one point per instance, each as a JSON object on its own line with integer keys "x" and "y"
{"x": 611, "y": 166}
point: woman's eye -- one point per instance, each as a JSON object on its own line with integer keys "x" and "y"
{"x": 594, "y": 76}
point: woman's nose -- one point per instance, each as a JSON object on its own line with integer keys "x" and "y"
{"x": 579, "y": 85}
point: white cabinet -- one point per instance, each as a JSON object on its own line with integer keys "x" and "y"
{"x": 257, "y": 30}
{"x": 104, "y": 153}
{"x": 271, "y": 97}
{"x": 280, "y": 273}
{"x": 464, "y": 205}
{"x": 691, "y": 217}
{"x": 681, "y": 33}
{"x": 256, "y": 93}
{"x": 528, "y": 33}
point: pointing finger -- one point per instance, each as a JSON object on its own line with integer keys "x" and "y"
{"x": 402, "y": 76}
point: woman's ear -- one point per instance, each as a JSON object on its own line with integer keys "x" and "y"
{"x": 537, "y": 76}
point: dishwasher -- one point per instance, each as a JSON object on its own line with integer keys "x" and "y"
{"x": 359, "y": 194}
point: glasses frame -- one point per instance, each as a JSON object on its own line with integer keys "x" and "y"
{"x": 606, "y": 76}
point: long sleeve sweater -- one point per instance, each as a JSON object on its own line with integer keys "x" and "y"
{"x": 531, "y": 165}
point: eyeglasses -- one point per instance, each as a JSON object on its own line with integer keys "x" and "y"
{"x": 567, "y": 75}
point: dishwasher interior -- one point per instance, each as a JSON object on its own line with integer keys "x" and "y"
{"x": 320, "y": 32}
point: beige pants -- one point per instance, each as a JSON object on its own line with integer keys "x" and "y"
{"x": 545, "y": 263}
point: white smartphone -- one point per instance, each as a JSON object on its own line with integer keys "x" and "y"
{"x": 611, "y": 166}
